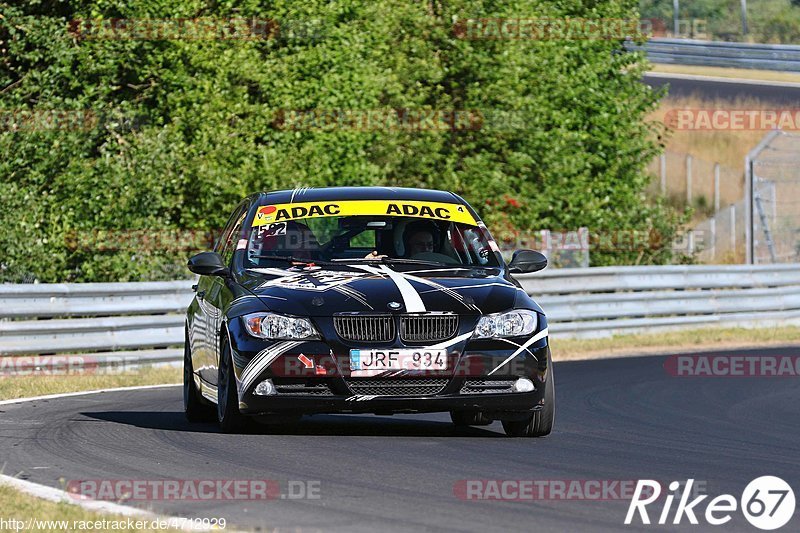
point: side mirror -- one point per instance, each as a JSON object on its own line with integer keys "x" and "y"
{"x": 526, "y": 261}
{"x": 208, "y": 264}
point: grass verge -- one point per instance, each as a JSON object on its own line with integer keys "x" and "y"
{"x": 35, "y": 514}
{"x": 32, "y": 385}
{"x": 673, "y": 342}
{"x": 720, "y": 72}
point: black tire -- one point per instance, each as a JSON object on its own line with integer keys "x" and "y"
{"x": 194, "y": 407}
{"x": 469, "y": 418}
{"x": 540, "y": 423}
{"x": 230, "y": 419}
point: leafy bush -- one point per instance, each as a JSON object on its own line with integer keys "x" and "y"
{"x": 185, "y": 128}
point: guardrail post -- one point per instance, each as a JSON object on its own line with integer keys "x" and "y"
{"x": 744, "y": 16}
{"x": 676, "y": 9}
{"x": 713, "y": 228}
{"x": 748, "y": 194}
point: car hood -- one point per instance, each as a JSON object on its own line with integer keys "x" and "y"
{"x": 315, "y": 291}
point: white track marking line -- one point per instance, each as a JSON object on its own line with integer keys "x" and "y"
{"x": 59, "y": 496}
{"x": 82, "y": 393}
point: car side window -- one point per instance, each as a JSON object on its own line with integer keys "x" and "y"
{"x": 226, "y": 231}
{"x": 232, "y": 239}
{"x": 225, "y": 236}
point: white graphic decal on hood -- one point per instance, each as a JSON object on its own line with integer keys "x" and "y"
{"x": 318, "y": 280}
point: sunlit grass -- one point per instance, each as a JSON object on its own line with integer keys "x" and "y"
{"x": 32, "y": 385}
{"x": 720, "y": 72}
{"x": 23, "y": 507}
{"x": 672, "y": 341}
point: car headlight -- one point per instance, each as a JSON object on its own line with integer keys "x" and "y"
{"x": 510, "y": 324}
{"x": 273, "y": 326}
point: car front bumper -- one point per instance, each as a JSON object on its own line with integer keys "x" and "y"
{"x": 495, "y": 405}
{"x": 314, "y": 377}
{"x": 460, "y": 390}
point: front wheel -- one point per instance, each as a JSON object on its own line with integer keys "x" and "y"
{"x": 230, "y": 419}
{"x": 540, "y": 423}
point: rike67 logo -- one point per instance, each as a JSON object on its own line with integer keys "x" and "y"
{"x": 767, "y": 503}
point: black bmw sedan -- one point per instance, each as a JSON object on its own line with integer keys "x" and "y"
{"x": 365, "y": 300}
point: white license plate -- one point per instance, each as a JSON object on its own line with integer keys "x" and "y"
{"x": 371, "y": 362}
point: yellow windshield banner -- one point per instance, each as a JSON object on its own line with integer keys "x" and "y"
{"x": 346, "y": 208}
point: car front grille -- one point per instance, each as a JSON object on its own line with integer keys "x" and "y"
{"x": 397, "y": 387}
{"x": 303, "y": 389}
{"x": 487, "y": 386}
{"x": 427, "y": 328}
{"x": 365, "y": 328}
{"x": 382, "y": 328}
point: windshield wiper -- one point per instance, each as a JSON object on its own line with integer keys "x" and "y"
{"x": 404, "y": 260}
{"x": 293, "y": 259}
{"x": 396, "y": 260}
{"x": 445, "y": 266}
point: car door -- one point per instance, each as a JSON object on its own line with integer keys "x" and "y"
{"x": 209, "y": 314}
{"x": 219, "y": 292}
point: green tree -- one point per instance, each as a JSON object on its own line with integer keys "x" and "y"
{"x": 185, "y": 128}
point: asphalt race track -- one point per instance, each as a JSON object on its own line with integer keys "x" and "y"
{"x": 617, "y": 419}
{"x": 715, "y": 88}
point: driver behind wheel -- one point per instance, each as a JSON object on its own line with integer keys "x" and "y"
{"x": 419, "y": 238}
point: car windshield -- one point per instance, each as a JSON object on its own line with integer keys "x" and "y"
{"x": 449, "y": 236}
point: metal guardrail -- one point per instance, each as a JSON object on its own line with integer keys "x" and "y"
{"x": 146, "y": 319}
{"x": 782, "y": 57}
{"x": 596, "y": 302}
{"x": 100, "y": 318}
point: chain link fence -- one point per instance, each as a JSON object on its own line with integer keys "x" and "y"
{"x": 772, "y": 199}
{"x": 715, "y": 191}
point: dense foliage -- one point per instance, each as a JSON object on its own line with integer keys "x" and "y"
{"x": 181, "y": 129}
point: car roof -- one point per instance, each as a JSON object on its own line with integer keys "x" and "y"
{"x": 323, "y": 194}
